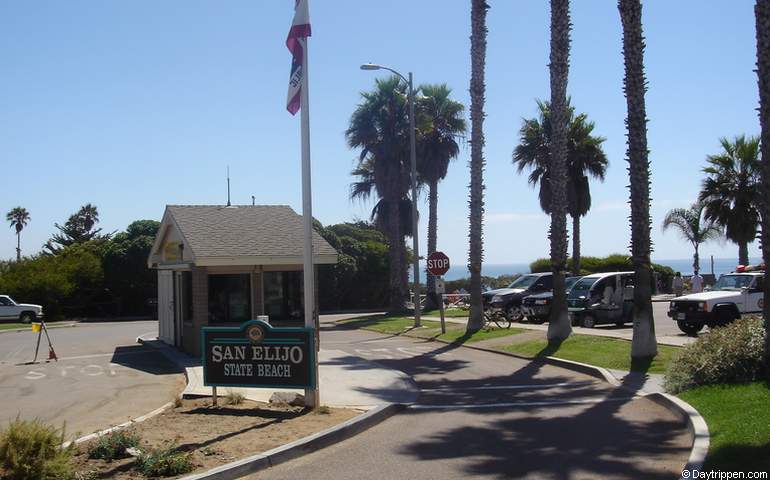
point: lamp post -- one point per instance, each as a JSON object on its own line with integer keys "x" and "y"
{"x": 413, "y": 161}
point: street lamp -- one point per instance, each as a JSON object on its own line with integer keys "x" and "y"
{"x": 413, "y": 160}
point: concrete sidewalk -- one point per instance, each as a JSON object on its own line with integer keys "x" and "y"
{"x": 626, "y": 334}
{"x": 344, "y": 380}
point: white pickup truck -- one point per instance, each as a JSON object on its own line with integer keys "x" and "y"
{"x": 733, "y": 295}
{"x": 24, "y": 312}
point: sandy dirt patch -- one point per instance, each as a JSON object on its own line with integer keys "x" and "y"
{"x": 215, "y": 436}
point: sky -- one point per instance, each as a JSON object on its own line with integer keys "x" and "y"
{"x": 135, "y": 105}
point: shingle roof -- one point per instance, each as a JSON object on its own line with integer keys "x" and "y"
{"x": 244, "y": 230}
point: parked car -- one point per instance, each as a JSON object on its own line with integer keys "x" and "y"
{"x": 24, "y": 312}
{"x": 602, "y": 298}
{"x": 733, "y": 295}
{"x": 537, "y": 308}
{"x": 507, "y": 301}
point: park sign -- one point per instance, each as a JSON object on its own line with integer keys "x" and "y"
{"x": 438, "y": 263}
{"x": 255, "y": 354}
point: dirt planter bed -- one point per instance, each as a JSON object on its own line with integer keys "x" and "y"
{"x": 214, "y": 436}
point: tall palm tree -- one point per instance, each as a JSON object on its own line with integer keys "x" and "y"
{"x": 559, "y": 325}
{"x": 731, "y": 191}
{"x": 643, "y": 344}
{"x": 762, "y": 13}
{"x": 476, "y": 197}
{"x": 691, "y": 225}
{"x": 379, "y": 127}
{"x": 443, "y": 125}
{"x": 585, "y": 157}
{"x": 19, "y": 218}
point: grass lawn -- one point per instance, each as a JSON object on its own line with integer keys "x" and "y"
{"x": 451, "y": 312}
{"x": 600, "y": 351}
{"x": 9, "y": 326}
{"x": 739, "y": 423}
{"x": 429, "y": 329}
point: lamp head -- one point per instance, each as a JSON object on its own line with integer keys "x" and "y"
{"x": 370, "y": 66}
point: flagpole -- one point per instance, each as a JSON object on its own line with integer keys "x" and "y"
{"x": 312, "y": 397}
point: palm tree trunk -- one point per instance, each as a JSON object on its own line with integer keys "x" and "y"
{"x": 18, "y": 245}
{"x": 432, "y": 299}
{"x": 395, "y": 251}
{"x": 696, "y": 259}
{"x": 762, "y": 13}
{"x": 476, "y": 198}
{"x": 576, "y": 245}
{"x": 644, "y": 344}
{"x": 559, "y": 327}
{"x": 743, "y": 253}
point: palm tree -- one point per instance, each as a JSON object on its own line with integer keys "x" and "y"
{"x": 559, "y": 325}
{"x": 379, "y": 127}
{"x": 691, "y": 225}
{"x": 19, "y": 218}
{"x": 762, "y": 13}
{"x": 643, "y": 344}
{"x": 476, "y": 197}
{"x": 731, "y": 191}
{"x": 443, "y": 123}
{"x": 585, "y": 157}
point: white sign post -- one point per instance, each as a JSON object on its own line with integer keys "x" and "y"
{"x": 440, "y": 289}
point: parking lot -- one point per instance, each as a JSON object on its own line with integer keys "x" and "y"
{"x": 102, "y": 377}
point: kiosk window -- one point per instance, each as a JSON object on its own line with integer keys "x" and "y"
{"x": 229, "y": 298}
{"x": 283, "y": 296}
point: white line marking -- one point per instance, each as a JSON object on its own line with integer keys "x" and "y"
{"x": 509, "y": 387}
{"x": 520, "y": 404}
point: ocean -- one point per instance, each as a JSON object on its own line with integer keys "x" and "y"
{"x": 721, "y": 266}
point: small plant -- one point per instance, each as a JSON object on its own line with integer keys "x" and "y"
{"x": 210, "y": 451}
{"x": 114, "y": 445}
{"x": 178, "y": 402}
{"x": 324, "y": 410}
{"x": 164, "y": 463}
{"x": 235, "y": 398}
{"x": 31, "y": 450}
{"x": 729, "y": 354}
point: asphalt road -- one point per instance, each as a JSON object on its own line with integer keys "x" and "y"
{"x": 483, "y": 415}
{"x": 103, "y": 377}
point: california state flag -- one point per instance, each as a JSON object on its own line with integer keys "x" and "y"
{"x": 296, "y": 43}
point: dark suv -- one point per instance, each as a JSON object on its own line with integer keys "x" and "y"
{"x": 537, "y": 308}
{"x": 507, "y": 301}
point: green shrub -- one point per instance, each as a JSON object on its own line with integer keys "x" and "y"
{"x": 31, "y": 450}
{"x": 729, "y": 354}
{"x": 114, "y": 445}
{"x": 612, "y": 263}
{"x": 164, "y": 463}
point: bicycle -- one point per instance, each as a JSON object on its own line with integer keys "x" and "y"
{"x": 497, "y": 317}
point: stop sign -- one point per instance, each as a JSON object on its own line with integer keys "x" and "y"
{"x": 438, "y": 263}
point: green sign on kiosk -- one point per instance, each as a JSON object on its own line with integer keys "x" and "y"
{"x": 255, "y": 354}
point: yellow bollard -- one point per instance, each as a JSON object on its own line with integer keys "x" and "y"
{"x": 35, "y": 327}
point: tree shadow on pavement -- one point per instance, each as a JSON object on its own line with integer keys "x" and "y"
{"x": 589, "y": 442}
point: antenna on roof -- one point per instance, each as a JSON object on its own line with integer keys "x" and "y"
{"x": 228, "y": 185}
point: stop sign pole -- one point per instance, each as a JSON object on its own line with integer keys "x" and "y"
{"x": 438, "y": 265}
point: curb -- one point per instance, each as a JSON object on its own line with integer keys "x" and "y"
{"x": 300, "y": 447}
{"x": 696, "y": 424}
{"x": 129, "y": 423}
{"x": 28, "y": 328}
